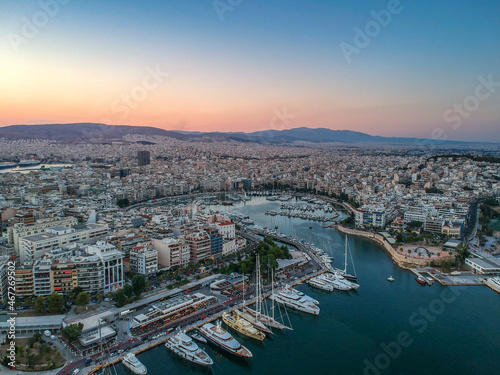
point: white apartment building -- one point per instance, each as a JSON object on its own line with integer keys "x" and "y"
{"x": 42, "y": 277}
{"x": 112, "y": 260}
{"x": 371, "y": 216}
{"x": 410, "y": 216}
{"x": 34, "y": 247}
{"x": 226, "y": 229}
{"x": 144, "y": 261}
{"x": 17, "y": 231}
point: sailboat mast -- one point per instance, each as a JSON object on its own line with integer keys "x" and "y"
{"x": 258, "y": 292}
{"x": 272, "y": 292}
{"x": 345, "y": 263}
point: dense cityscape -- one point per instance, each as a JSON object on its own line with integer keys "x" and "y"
{"x": 144, "y": 232}
{"x": 249, "y": 187}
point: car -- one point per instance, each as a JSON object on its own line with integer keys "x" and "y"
{"x": 76, "y": 371}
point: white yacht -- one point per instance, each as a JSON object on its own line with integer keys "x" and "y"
{"x": 182, "y": 345}
{"x": 319, "y": 283}
{"x": 303, "y": 295}
{"x": 288, "y": 297}
{"x": 223, "y": 339}
{"x": 133, "y": 364}
{"x": 338, "y": 281}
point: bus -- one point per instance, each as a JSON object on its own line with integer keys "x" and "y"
{"x": 126, "y": 312}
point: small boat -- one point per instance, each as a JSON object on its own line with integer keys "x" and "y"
{"x": 199, "y": 338}
{"x": 390, "y": 278}
{"x": 420, "y": 280}
{"x": 133, "y": 364}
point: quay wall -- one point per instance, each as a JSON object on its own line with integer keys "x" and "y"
{"x": 380, "y": 240}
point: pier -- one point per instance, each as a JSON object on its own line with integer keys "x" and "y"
{"x": 465, "y": 278}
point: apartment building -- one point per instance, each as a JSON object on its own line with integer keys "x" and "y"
{"x": 172, "y": 252}
{"x": 17, "y": 231}
{"x": 24, "y": 280}
{"x": 227, "y": 229}
{"x": 200, "y": 246}
{"x": 42, "y": 277}
{"x": 64, "y": 276}
{"x": 371, "y": 216}
{"x": 144, "y": 260}
{"x": 35, "y": 246}
{"x": 90, "y": 273}
{"x": 112, "y": 260}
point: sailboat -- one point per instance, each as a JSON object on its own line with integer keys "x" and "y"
{"x": 243, "y": 313}
{"x": 344, "y": 272}
{"x": 257, "y": 316}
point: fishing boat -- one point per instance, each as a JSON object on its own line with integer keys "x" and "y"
{"x": 242, "y": 326}
{"x": 420, "y": 280}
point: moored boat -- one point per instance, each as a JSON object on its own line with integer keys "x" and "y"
{"x": 219, "y": 337}
{"x": 242, "y": 326}
{"x": 199, "y": 338}
{"x": 319, "y": 283}
{"x": 133, "y": 364}
{"x": 182, "y": 345}
{"x": 420, "y": 280}
{"x": 288, "y": 297}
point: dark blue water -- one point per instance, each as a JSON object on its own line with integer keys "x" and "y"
{"x": 424, "y": 329}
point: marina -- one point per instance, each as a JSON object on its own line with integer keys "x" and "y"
{"x": 341, "y": 305}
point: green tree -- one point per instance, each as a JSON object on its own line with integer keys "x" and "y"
{"x": 76, "y": 292}
{"x": 128, "y": 290}
{"x": 122, "y": 202}
{"x": 39, "y": 305}
{"x": 83, "y": 299}
{"x": 72, "y": 331}
{"x": 120, "y": 298}
{"x": 55, "y": 302}
{"x": 138, "y": 284}
{"x": 99, "y": 296}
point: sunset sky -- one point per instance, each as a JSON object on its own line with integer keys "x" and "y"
{"x": 205, "y": 65}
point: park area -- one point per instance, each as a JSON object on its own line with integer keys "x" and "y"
{"x": 33, "y": 354}
{"x": 422, "y": 252}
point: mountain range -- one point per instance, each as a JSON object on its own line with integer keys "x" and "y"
{"x": 92, "y": 132}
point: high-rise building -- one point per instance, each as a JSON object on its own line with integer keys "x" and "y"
{"x": 143, "y": 158}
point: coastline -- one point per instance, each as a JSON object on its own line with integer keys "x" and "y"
{"x": 402, "y": 261}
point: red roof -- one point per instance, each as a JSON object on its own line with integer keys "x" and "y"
{"x": 226, "y": 223}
